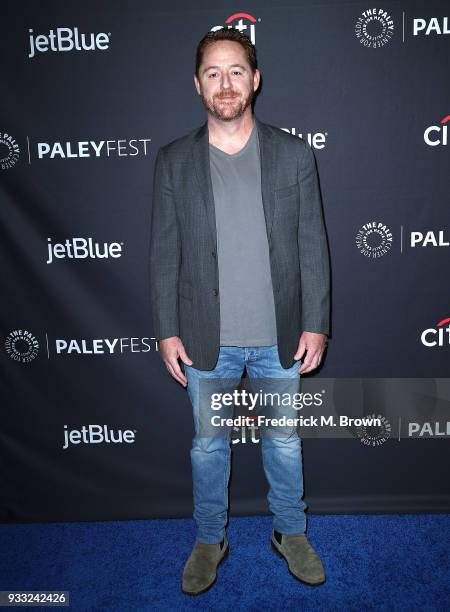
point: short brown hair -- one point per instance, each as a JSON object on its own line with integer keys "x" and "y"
{"x": 226, "y": 33}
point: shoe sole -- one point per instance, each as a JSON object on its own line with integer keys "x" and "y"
{"x": 194, "y": 593}
{"x": 280, "y": 554}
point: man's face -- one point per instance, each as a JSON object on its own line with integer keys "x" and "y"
{"x": 226, "y": 83}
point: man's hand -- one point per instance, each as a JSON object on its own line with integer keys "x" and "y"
{"x": 314, "y": 345}
{"x": 170, "y": 349}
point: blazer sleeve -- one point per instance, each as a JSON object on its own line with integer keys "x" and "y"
{"x": 164, "y": 254}
{"x": 313, "y": 249}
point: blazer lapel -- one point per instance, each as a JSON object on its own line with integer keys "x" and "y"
{"x": 268, "y": 157}
{"x": 202, "y": 168}
{"x": 268, "y": 154}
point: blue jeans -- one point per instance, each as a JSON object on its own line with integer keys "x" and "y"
{"x": 210, "y": 456}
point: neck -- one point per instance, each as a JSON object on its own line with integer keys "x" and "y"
{"x": 230, "y": 132}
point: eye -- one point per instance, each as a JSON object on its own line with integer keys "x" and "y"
{"x": 237, "y": 72}
{"x": 211, "y": 74}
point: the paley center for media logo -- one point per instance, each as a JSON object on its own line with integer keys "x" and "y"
{"x": 374, "y": 28}
{"x": 21, "y": 345}
{"x": 9, "y": 151}
{"x": 374, "y": 239}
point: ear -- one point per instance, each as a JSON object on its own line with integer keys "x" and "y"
{"x": 256, "y": 79}
{"x": 197, "y": 84}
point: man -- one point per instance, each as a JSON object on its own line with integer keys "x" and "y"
{"x": 239, "y": 279}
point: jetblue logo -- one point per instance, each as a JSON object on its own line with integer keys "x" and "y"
{"x": 98, "y": 434}
{"x": 67, "y": 39}
{"x": 82, "y": 248}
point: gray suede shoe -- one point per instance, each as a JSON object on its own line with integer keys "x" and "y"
{"x": 303, "y": 561}
{"x": 199, "y": 573}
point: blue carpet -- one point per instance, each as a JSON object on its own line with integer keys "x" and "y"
{"x": 372, "y": 562}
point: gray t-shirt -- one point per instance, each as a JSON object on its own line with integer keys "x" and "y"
{"x": 247, "y": 309}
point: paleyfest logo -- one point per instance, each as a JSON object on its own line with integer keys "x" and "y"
{"x": 102, "y": 346}
{"x": 21, "y": 345}
{"x": 429, "y": 238}
{"x": 374, "y": 239}
{"x": 436, "y": 135}
{"x": 9, "y": 151}
{"x": 437, "y": 336}
{"x": 91, "y": 148}
{"x": 374, "y": 28}
{"x": 237, "y": 21}
{"x": 431, "y": 25}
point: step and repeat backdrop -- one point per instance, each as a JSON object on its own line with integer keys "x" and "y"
{"x": 92, "y": 425}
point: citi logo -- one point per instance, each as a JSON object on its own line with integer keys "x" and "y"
{"x": 436, "y": 135}
{"x": 67, "y": 39}
{"x": 237, "y": 21}
{"x": 426, "y": 27}
{"x": 244, "y": 434}
{"x": 315, "y": 139}
{"x": 82, "y": 248}
{"x": 98, "y": 434}
{"x": 437, "y": 336}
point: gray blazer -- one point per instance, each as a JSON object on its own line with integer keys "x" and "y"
{"x": 184, "y": 279}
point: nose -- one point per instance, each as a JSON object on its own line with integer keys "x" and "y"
{"x": 226, "y": 83}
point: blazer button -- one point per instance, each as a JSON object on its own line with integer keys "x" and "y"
{"x": 213, "y": 253}
{"x": 215, "y": 292}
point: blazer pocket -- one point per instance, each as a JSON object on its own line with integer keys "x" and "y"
{"x": 285, "y": 192}
{"x": 185, "y": 290}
